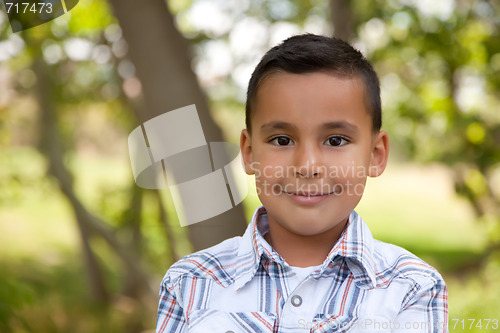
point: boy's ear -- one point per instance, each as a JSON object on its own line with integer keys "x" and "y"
{"x": 380, "y": 154}
{"x": 246, "y": 151}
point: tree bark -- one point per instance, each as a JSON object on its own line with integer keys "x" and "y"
{"x": 163, "y": 65}
{"x": 341, "y": 16}
{"x": 132, "y": 220}
{"x": 169, "y": 233}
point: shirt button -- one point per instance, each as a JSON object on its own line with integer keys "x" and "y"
{"x": 296, "y": 301}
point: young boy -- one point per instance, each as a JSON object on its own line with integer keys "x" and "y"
{"x": 307, "y": 262}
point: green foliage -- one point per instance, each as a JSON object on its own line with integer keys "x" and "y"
{"x": 90, "y": 18}
{"x": 14, "y": 295}
{"x": 441, "y": 69}
{"x": 440, "y": 73}
{"x": 21, "y": 169}
{"x": 84, "y": 55}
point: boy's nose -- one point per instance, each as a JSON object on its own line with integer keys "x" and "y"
{"x": 305, "y": 173}
{"x": 308, "y": 162}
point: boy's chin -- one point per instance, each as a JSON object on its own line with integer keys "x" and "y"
{"x": 305, "y": 221}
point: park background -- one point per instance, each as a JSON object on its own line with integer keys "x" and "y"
{"x": 83, "y": 249}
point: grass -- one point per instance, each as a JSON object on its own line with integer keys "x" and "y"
{"x": 42, "y": 275}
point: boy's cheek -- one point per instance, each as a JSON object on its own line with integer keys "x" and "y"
{"x": 266, "y": 170}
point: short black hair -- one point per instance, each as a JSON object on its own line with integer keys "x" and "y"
{"x": 309, "y": 53}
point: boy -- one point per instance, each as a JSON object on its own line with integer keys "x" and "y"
{"x": 307, "y": 262}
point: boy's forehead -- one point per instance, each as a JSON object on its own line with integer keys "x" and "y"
{"x": 310, "y": 95}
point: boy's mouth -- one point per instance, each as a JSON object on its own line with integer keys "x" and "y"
{"x": 309, "y": 194}
{"x": 307, "y": 198}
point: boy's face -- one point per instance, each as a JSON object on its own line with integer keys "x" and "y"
{"x": 311, "y": 150}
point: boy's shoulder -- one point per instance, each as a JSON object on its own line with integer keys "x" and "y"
{"x": 394, "y": 262}
{"x": 377, "y": 264}
{"x": 217, "y": 263}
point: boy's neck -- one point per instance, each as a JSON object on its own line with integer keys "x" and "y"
{"x": 299, "y": 250}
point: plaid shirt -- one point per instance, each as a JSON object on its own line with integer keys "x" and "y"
{"x": 243, "y": 285}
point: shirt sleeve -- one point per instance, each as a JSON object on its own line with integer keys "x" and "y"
{"x": 171, "y": 317}
{"x": 425, "y": 312}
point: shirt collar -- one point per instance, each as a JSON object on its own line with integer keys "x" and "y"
{"x": 252, "y": 247}
{"x": 355, "y": 245}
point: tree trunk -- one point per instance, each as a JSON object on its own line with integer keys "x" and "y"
{"x": 163, "y": 64}
{"x": 341, "y": 16}
{"x": 169, "y": 233}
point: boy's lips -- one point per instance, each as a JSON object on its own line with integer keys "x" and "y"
{"x": 308, "y": 194}
{"x": 308, "y": 198}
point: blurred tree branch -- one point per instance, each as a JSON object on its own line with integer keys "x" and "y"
{"x": 88, "y": 223}
{"x": 50, "y": 146}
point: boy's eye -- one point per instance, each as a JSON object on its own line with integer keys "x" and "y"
{"x": 336, "y": 141}
{"x": 281, "y": 141}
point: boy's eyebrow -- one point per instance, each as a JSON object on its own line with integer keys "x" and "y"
{"x": 273, "y": 125}
{"x": 340, "y": 124}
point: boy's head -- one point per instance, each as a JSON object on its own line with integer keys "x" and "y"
{"x": 310, "y": 53}
{"x": 313, "y": 134}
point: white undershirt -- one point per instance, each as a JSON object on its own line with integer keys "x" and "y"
{"x": 300, "y": 275}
